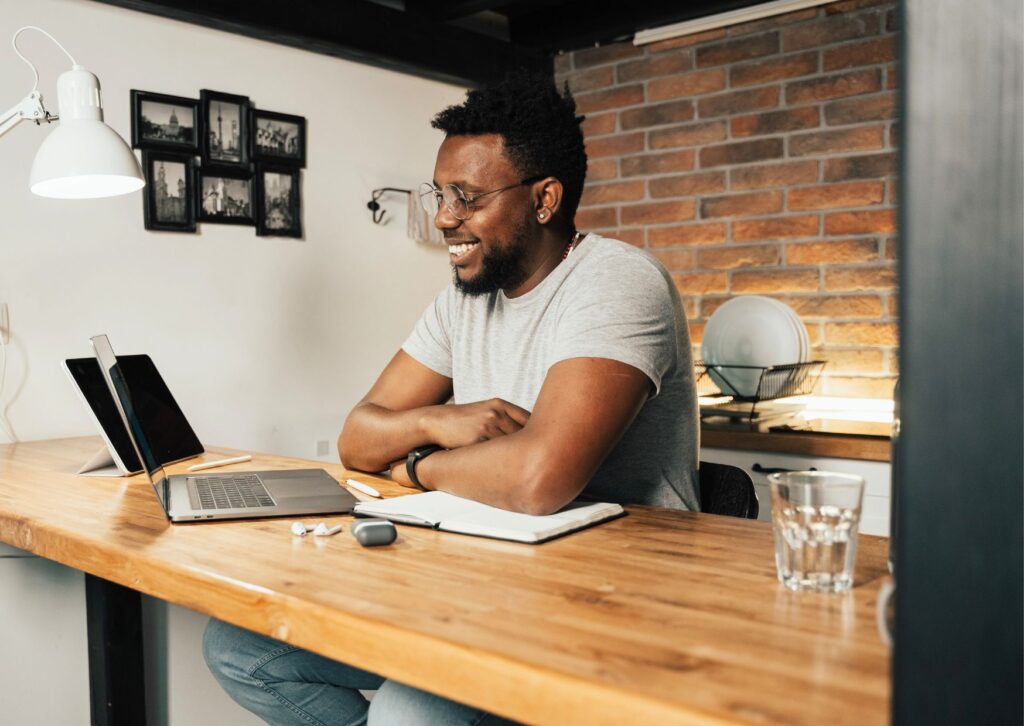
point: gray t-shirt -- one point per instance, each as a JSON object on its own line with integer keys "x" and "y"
{"x": 606, "y": 300}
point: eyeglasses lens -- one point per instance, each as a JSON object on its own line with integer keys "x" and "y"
{"x": 451, "y": 196}
{"x": 455, "y": 201}
{"x": 430, "y": 198}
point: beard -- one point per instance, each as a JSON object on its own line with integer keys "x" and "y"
{"x": 502, "y": 268}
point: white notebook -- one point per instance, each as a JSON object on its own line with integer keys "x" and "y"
{"x": 450, "y": 513}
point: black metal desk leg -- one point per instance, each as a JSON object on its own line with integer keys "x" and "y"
{"x": 116, "y": 685}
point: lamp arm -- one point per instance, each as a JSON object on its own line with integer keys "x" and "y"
{"x": 29, "y": 108}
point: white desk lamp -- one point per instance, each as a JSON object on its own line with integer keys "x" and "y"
{"x": 82, "y": 158}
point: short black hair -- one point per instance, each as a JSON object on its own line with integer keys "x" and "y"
{"x": 538, "y": 125}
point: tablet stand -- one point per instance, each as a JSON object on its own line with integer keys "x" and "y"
{"x": 103, "y": 463}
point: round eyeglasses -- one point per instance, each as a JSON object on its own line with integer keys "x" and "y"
{"x": 456, "y": 201}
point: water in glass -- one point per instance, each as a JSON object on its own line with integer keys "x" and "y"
{"x": 815, "y": 517}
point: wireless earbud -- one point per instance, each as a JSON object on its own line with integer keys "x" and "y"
{"x": 322, "y": 530}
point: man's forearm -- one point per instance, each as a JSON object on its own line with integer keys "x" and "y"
{"x": 514, "y": 472}
{"x": 374, "y": 436}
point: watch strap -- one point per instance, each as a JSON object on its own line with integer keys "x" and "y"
{"x": 417, "y": 454}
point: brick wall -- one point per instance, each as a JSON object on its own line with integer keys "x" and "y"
{"x": 758, "y": 159}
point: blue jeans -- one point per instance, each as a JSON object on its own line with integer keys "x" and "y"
{"x": 285, "y": 685}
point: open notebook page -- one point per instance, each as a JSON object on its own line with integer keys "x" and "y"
{"x": 455, "y": 514}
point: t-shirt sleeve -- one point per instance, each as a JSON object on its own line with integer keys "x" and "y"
{"x": 430, "y": 342}
{"x": 623, "y": 312}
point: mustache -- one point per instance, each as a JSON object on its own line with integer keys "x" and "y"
{"x": 449, "y": 237}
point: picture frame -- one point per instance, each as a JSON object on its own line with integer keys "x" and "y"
{"x": 278, "y": 138}
{"x": 168, "y": 200}
{"x": 224, "y": 120}
{"x": 162, "y": 121}
{"x": 224, "y": 195}
{"x": 278, "y": 201}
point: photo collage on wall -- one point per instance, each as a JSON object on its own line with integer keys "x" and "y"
{"x": 248, "y": 166}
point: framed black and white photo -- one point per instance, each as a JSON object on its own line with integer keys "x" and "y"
{"x": 278, "y": 206}
{"x": 224, "y": 120}
{"x": 224, "y": 196}
{"x": 278, "y": 138}
{"x": 164, "y": 122}
{"x": 168, "y": 199}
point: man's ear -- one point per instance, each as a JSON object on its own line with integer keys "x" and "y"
{"x": 547, "y": 198}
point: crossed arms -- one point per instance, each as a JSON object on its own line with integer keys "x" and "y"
{"x": 497, "y": 453}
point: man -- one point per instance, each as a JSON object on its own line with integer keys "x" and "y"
{"x": 555, "y": 367}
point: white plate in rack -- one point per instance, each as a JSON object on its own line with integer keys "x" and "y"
{"x": 805, "y": 343}
{"x": 750, "y": 330}
{"x": 797, "y": 375}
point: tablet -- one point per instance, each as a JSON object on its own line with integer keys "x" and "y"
{"x": 172, "y": 436}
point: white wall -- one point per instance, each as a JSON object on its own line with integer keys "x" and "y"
{"x": 265, "y": 342}
{"x": 43, "y": 646}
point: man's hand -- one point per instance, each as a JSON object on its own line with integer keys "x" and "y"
{"x": 456, "y": 425}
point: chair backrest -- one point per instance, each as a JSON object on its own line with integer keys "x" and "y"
{"x": 726, "y": 489}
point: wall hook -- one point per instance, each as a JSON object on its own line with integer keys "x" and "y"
{"x": 374, "y": 205}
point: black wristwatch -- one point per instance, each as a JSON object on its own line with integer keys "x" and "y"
{"x": 421, "y": 452}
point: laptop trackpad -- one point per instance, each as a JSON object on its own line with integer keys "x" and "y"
{"x": 318, "y": 505}
{"x": 299, "y": 483}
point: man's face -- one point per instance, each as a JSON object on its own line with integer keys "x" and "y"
{"x": 491, "y": 249}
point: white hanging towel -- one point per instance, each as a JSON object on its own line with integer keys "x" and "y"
{"x": 419, "y": 226}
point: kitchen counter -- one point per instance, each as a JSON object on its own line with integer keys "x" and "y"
{"x": 820, "y": 437}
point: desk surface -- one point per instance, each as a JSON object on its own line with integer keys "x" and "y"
{"x": 657, "y": 617}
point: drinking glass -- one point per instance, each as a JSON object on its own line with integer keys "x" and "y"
{"x": 815, "y": 517}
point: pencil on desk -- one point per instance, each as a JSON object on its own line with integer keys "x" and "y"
{"x": 364, "y": 488}
{"x": 220, "y": 462}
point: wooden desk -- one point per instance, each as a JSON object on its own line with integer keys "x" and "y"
{"x": 658, "y": 617}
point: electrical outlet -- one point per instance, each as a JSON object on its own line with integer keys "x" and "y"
{"x": 322, "y": 448}
{"x": 5, "y": 324}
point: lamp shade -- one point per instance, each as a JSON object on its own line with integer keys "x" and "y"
{"x": 83, "y": 158}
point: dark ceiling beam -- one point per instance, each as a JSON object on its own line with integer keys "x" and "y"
{"x": 441, "y": 10}
{"x": 358, "y": 31}
{"x": 580, "y": 23}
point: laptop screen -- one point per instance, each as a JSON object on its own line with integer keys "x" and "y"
{"x": 119, "y": 389}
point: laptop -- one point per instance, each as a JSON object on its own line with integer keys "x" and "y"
{"x": 232, "y": 495}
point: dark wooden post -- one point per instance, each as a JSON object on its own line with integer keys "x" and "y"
{"x": 958, "y": 639}
{"x": 116, "y": 686}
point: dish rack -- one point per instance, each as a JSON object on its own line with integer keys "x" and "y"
{"x": 780, "y": 381}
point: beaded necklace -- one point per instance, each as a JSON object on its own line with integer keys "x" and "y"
{"x": 574, "y": 241}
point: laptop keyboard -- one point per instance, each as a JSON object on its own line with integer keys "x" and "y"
{"x": 229, "y": 492}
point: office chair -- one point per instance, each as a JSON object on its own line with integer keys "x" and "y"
{"x": 728, "y": 490}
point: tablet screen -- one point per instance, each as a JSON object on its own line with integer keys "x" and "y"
{"x": 172, "y": 437}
